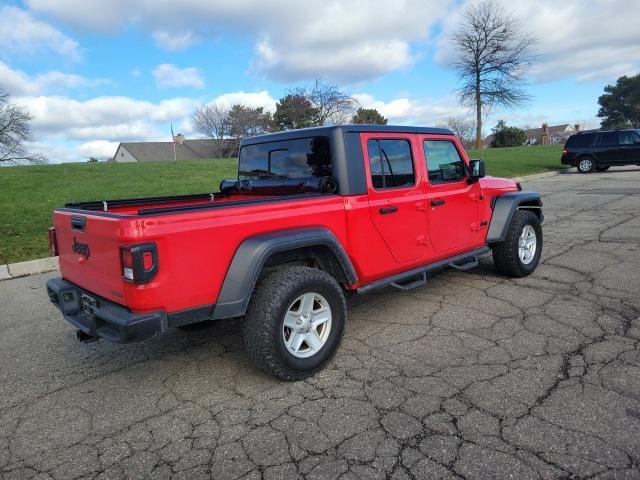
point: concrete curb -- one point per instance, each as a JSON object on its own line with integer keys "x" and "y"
{"x": 32, "y": 267}
{"x": 535, "y": 176}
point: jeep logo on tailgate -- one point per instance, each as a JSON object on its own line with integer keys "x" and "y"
{"x": 81, "y": 248}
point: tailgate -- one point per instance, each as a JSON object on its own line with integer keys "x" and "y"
{"x": 89, "y": 249}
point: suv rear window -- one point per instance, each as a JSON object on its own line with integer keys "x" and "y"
{"x": 607, "y": 139}
{"x": 583, "y": 140}
{"x": 299, "y": 158}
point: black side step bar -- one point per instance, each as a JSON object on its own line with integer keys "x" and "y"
{"x": 418, "y": 276}
{"x": 472, "y": 263}
{"x": 411, "y": 284}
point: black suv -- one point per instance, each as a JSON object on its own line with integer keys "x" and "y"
{"x": 597, "y": 150}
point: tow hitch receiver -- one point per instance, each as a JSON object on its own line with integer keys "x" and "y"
{"x": 85, "y": 337}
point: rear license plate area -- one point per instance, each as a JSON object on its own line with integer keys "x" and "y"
{"x": 89, "y": 304}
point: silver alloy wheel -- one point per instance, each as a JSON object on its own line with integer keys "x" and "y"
{"x": 586, "y": 165}
{"x": 527, "y": 244}
{"x": 307, "y": 325}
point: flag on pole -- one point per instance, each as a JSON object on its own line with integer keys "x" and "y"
{"x": 173, "y": 138}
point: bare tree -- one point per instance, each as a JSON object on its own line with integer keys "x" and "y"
{"x": 213, "y": 121}
{"x": 333, "y": 105}
{"x": 463, "y": 128}
{"x": 14, "y": 133}
{"x": 492, "y": 55}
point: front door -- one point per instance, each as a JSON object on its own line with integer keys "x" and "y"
{"x": 630, "y": 147}
{"x": 396, "y": 197}
{"x": 451, "y": 201}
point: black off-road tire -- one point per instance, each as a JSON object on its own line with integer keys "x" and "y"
{"x": 273, "y": 295}
{"x": 603, "y": 168}
{"x": 505, "y": 254}
{"x": 586, "y": 164}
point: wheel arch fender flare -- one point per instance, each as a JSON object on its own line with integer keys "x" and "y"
{"x": 254, "y": 252}
{"x": 505, "y": 206}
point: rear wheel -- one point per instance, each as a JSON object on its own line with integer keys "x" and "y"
{"x": 519, "y": 254}
{"x": 294, "y": 322}
{"x": 603, "y": 168}
{"x": 586, "y": 165}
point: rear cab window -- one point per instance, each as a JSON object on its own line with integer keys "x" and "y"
{"x": 296, "y": 158}
{"x": 444, "y": 163}
{"x": 391, "y": 163}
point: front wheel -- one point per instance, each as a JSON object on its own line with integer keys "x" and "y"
{"x": 294, "y": 322}
{"x": 586, "y": 165}
{"x": 518, "y": 255}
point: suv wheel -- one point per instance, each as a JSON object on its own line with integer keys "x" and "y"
{"x": 294, "y": 322}
{"x": 586, "y": 165}
{"x": 603, "y": 168}
{"x": 519, "y": 254}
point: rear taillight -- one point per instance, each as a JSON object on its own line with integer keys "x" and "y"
{"x": 564, "y": 152}
{"x": 139, "y": 262}
{"x": 53, "y": 242}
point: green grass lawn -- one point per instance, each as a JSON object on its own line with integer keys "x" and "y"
{"x": 29, "y": 194}
{"x": 519, "y": 161}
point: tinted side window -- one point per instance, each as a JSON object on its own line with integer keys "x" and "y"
{"x": 607, "y": 139}
{"x": 299, "y": 158}
{"x": 580, "y": 141}
{"x": 391, "y": 163}
{"x": 443, "y": 161}
{"x": 629, "y": 138}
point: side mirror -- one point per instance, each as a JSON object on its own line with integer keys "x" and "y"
{"x": 476, "y": 170}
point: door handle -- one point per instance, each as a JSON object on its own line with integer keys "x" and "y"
{"x": 388, "y": 210}
{"x": 437, "y": 202}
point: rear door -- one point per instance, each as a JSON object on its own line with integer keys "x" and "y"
{"x": 630, "y": 147}
{"x": 452, "y": 202}
{"x": 606, "y": 149}
{"x": 396, "y": 194}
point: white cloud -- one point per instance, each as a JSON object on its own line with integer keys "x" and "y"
{"x": 597, "y": 41}
{"x": 23, "y": 34}
{"x": 254, "y": 100}
{"x": 72, "y": 130}
{"x": 341, "y": 40}
{"x": 168, "y": 75}
{"x": 409, "y": 111}
{"x": 173, "y": 41}
{"x": 98, "y": 149}
{"x": 16, "y": 82}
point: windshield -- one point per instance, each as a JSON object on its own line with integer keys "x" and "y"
{"x": 298, "y": 158}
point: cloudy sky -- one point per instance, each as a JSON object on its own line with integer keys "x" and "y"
{"x": 94, "y": 73}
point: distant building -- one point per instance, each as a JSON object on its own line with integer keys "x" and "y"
{"x": 196, "y": 149}
{"x": 545, "y": 135}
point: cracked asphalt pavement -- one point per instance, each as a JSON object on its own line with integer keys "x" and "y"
{"x": 472, "y": 376}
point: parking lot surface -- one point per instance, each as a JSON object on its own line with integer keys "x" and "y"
{"x": 472, "y": 376}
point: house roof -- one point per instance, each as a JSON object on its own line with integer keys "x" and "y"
{"x": 163, "y": 151}
{"x": 537, "y": 132}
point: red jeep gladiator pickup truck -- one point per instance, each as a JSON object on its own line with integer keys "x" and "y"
{"x": 315, "y": 214}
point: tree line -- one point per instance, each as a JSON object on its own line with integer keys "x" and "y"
{"x": 302, "y": 107}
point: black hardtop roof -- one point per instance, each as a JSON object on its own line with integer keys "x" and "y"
{"x": 328, "y": 131}
{"x": 605, "y": 130}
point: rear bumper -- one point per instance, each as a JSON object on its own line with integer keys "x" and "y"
{"x": 98, "y": 317}
{"x": 568, "y": 160}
